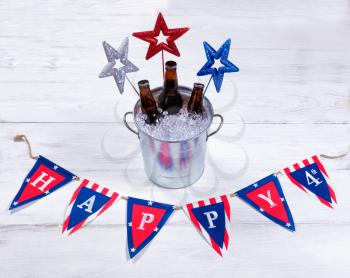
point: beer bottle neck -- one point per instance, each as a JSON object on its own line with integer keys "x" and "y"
{"x": 144, "y": 91}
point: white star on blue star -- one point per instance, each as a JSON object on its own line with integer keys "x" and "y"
{"x": 212, "y": 55}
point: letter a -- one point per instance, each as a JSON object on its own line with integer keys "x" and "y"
{"x": 267, "y": 198}
{"x": 146, "y": 218}
{"x": 46, "y": 183}
{"x": 88, "y": 203}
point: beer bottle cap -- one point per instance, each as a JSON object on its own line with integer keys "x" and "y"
{"x": 143, "y": 83}
{"x": 170, "y": 65}
{"x": 198, "y": 85}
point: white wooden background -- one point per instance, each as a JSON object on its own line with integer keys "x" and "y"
{"x": 292, "y": 100}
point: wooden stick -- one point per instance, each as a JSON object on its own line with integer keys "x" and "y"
{"x": 132, "y": 85}
{"x": 206, "y": 88}
{"x": 163, "y": 62}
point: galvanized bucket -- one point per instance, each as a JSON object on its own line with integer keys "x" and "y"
{"x": 174, "y": 164}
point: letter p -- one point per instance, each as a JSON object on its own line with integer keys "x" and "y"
{"x": 146, "y": 218}
{"x": 211, "y": 216}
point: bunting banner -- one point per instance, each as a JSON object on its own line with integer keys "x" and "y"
{"x": 144, "y": 221}
{"x": 43, "y": 179}
{"x": 267, "y": 197}
{"x": 212, "y": 219}
{"x": 311, "y": 176}
{"x": 89, "y": 201}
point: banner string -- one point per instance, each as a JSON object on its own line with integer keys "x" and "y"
{"x": 23, "y": 138}
{"x": 334, "y": 156}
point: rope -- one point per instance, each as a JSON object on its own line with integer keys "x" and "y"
{"x": 23, "y": 138}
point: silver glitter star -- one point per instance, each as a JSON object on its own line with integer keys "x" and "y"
{"x": 113, "y": 55}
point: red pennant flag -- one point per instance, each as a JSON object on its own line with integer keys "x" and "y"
{"x": 43, "y": 179}
{"x": 267, "y": 197}
{"x": 144, "y": 221}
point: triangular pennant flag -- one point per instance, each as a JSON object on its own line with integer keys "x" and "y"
{"x": 144, "y": 221}
{"x": 311, "y": 176}
{"x": 267, "y": 197}
{"x": 43, "y": 179}
{"x": 212, "y": 219}
{"x": 88, "y": 202}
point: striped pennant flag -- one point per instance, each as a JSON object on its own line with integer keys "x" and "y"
{"x": 212, "y": 219}
{"x": 311, "y": 176}
{"x": 88, "y": 201}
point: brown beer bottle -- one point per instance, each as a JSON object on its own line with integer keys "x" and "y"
{"x": 148, "y": 104}
{"x": 170, "y": 99}
{"x": 195, "y": 104}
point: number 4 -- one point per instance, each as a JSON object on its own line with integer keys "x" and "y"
{"x": 311, "y": 179}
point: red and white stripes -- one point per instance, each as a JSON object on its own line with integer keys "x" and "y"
{"x": 188, "y": 210}
{"x": 97, "y": 188}
{"x": 307, "y": 162}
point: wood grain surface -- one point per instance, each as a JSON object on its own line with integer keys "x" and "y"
{"x": 291, "y": 99}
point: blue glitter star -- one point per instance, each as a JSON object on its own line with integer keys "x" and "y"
{"x": 212, "y": 55}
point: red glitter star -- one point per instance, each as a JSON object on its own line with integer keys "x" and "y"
{"x": 150, "y": 36}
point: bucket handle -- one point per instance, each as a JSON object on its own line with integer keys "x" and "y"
{"x": 126, "y": 123}
{"x": 219, "y": 127}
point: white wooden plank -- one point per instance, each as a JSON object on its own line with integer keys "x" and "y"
{"x": 282, "y": 55}
{"x": 178, "y": 251}
{"x": 97, "y": 101}
{"x": 292, "y": 100}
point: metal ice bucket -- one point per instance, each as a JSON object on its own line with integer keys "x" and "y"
{"x": 174, "y": 164}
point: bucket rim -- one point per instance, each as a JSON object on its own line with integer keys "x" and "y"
{"x": 184, "y": 88}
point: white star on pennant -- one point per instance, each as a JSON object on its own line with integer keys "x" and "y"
{"x": 174, "y": 207}
{"x": 133, "y": 250}
{"x": 150, "y": 203}
{"x": 27, "y": 180}
{"x": 288, "y": 225}
{"x": 130, "y": 224}
{"x": 15, "y": 203}
{"x": 261, "y": 209}
{"x": 282, "y": 199}
{"x": 255, "y": 185}
{"x": 156, "y": 229}
{"x": 47, "y": 192}
{"x": 55, "y": 167}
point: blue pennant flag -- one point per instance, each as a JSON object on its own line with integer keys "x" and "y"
{"x": 43, "y": 179}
